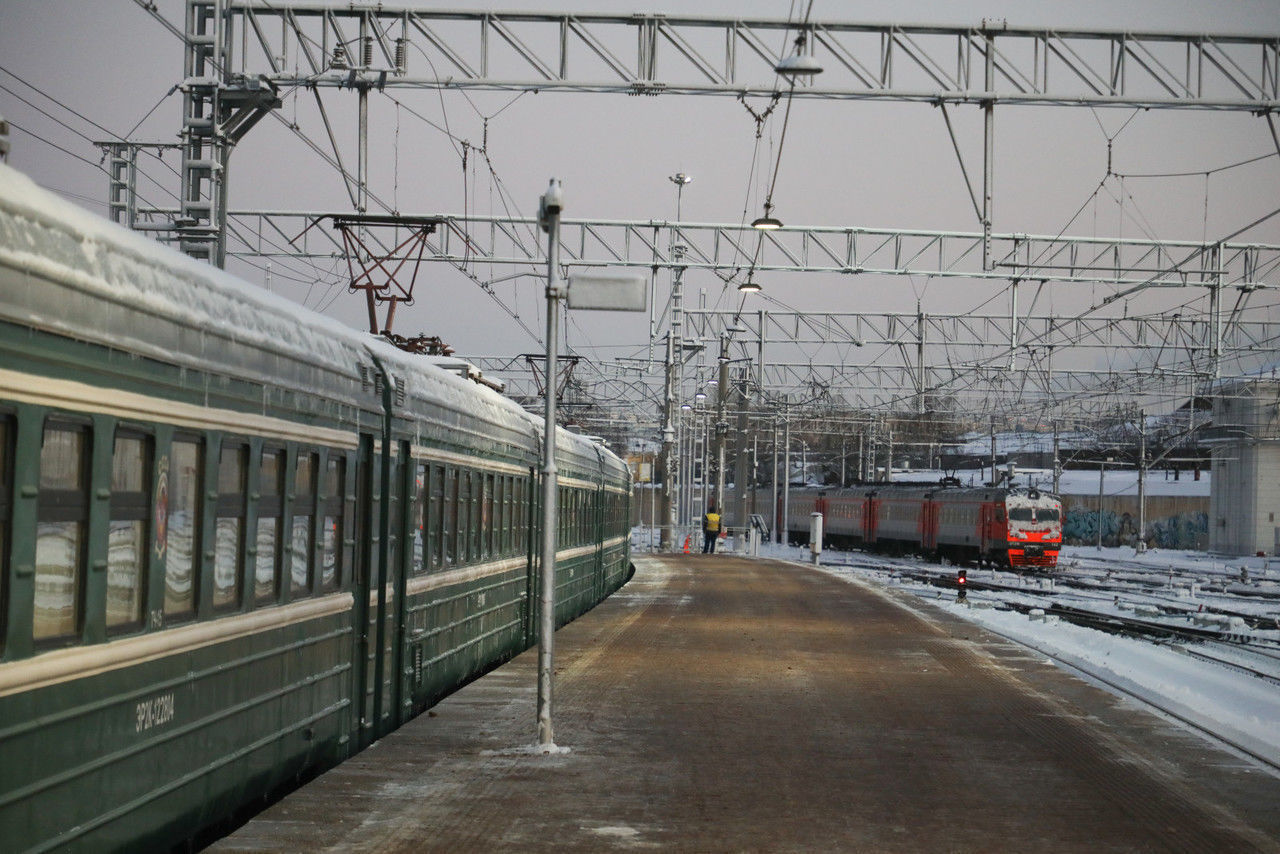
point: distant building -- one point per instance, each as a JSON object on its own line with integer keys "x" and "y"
{"x": 1244, "y": 501}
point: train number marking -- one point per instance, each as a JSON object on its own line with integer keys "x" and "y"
{"x": 154, "y": 712}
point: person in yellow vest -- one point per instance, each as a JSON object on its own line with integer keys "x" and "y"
{"x": 710, "y": 529}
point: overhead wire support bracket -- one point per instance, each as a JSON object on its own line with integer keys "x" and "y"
{"x": 365, "y": 260}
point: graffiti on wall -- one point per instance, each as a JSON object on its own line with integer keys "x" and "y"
{"x": 1183, "y": 531}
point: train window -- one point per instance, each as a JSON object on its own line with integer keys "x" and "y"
{"x": 486, "y": 516}
{"x": 464, "y": 516}
{"x": 128, "y": 529}
{"x": 302, "y": 553}
{"x": 450, "y": 530}
{"x": 63, "y": 510}
{"x": 1047, "y": 514}
{"x": 1020, "y": 514}
{"x": 473, "y": 516}
{"x": 499, "y": 514}
{"x": 332, "y": 500}
{"x": 6, "y": 513}
{"x": 508, "y": 513}
{"x": 418, "y": 518}
{"x": 229, "y": 528}
{"x": 435, "y": 516}
{"x": 186, "y": 467}
{"x": 266, "y": 570}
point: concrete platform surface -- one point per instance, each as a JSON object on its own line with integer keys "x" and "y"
{"x": 725, "y": 704}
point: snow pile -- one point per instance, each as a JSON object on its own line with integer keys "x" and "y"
{"x": 1236, "y": 706}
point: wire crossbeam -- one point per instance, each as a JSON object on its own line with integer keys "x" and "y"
{"x": 1168, "y": 331}
{"x": 1129, "y": 262}
{"x": 393, "y": 46}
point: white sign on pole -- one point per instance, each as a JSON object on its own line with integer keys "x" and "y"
{"x": 609, "y": 291}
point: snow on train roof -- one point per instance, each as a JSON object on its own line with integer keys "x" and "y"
{"x": 42, "y": 232}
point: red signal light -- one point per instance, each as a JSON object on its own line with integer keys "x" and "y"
{"x": 962, "y": 576}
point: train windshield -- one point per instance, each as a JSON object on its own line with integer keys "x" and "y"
{"x": 1033, "y": 514}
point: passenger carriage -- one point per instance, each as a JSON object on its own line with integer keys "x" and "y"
{"x": 997, "y": 525}
{"x": 238, "y": 541}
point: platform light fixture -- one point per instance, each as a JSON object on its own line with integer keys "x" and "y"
{"x": 750, "y": 286}
{"x": 799, "y": 64}
{"x": 768, "y": 222}
{"x": 679, "y": 179}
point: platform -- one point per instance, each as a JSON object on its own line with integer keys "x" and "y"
{"x": 726, "y": 704}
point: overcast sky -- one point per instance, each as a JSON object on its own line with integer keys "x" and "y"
{"x": 845, "y": 163}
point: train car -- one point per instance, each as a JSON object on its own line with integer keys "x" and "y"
{"x": 238, "y": 541}
{"x": 1002, "y": 526}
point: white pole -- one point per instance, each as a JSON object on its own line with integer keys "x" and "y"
{"x": 549, "y": 218}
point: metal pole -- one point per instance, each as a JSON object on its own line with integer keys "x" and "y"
{"x": 773, "y": 520}
{"x": 667, "y": 532}
{"x": 740, "y": 474}
{"x": 1142, "y": 479}
{"x": 1057, "y": 463}
{"x": 888, "y": 458}
{"x": 1101, "y": 467}
{"x": 549, "y": 218}
{"x": 722, "y": 426}
{"x": 988, "y": 150}
{"x": 786, "y": 477}
{"x": 993, "y": 452}
{"x": 362, "y": 189}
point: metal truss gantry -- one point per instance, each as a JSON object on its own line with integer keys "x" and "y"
{"x": 241, "y": 53}
{"x": 733, "y": 248}
{"x": 315, "y": 44}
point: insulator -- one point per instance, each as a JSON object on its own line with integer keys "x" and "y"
{"x": 339, "y": 56}
{"x": 366, "y": 51}
{"x": 400, "y": 56}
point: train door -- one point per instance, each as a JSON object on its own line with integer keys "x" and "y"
{"x": 362, "y": 587}
{"x": 869, "y": 512}
{"x": 378, "y": 589}
{"x": 986, "y": 522}
{"x": 929, "y": 525}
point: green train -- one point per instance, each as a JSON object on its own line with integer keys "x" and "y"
{"x": 239, "y": 542}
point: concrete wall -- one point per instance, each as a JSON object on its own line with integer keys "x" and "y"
{"x": 1244, "y": 504}
{"x": 1173, "y": 521}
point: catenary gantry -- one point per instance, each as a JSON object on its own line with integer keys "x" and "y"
{"x": 241, "y": 55}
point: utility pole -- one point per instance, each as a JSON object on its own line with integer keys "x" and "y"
{"x": 722, "y": 425}
{"x": 1057, "y": 462}
{"x": 888, "y": 456}
{"x": 550, "y": 205}
{"x": 988, "y": 142}
{"x": 993, "y": 451}
{"x": 786, "y": 473}
{"x": 774, "y": 520}
{"x": 668, "y": 525}
{"x": 1142, "y": 480}
{"x": 740, "y": 476}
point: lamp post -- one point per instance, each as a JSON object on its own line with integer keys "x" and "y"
{"x": 680, "y": 179}
{"x": 549, "y": 208}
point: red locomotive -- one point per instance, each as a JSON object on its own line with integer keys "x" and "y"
{"x": 1001, "y": 526}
